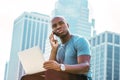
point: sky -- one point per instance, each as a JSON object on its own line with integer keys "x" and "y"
{"x": 105, "y": 12}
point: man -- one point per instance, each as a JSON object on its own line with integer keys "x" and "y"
{"x": 69, "y": 60}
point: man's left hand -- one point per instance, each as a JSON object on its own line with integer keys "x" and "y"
{"x": 51, "y": 64}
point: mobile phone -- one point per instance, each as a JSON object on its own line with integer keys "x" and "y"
{"x": 55, "y": 37}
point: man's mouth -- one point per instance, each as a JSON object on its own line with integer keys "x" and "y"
{"x": 59, "y": 31}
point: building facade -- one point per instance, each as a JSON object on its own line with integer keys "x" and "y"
{"x": 105, "y": 49}
{"x": 30, "y": 29}
{"x": 77, "y": 14}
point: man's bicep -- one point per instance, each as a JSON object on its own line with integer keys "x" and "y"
{"x": 83, "y": 59}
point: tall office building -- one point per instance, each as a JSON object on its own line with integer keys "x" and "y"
{"x": 48, "y": 45}
{"x": 77, "y": 14}
{"x": 105, "y": 49}
{"x": 30, "y": 29}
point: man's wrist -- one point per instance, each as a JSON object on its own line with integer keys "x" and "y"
{"x": 62, "y": 67}
{"x": 54, "y": 48}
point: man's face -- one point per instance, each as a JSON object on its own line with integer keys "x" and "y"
{"x": 59, "y": 26}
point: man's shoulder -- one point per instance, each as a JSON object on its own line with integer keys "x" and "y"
{"x": 79, "y": 40}
{"x": 78, "y": 37}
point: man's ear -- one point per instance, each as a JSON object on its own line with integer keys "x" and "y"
{"x": 68, "y": 25}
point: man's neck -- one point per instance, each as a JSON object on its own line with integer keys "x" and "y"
{"x": 65, "y": 38}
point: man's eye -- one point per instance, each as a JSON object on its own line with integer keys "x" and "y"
{"x": 61, "y": 23}
{"x": 54, "y": 25}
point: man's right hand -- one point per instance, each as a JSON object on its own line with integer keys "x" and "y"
{"x": 53, "y": 42}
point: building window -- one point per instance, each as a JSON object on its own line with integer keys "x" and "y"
{"x": 102, "y": 51}
{"x": 116, "y": 39}
{"x": 98, "y": 40}
{"x": 34, "y": 18}
{"x": 93, "y": 42}
{"x": 24, "y": 34}
{"x": 109, "y": 62}
{"x": 30, "y": 17}
{"x": 109, "y": 76}
{"x": 116, "y": 62}
{"x": 42, "y": 20}
{"x": 38, "y": 18}
{"x": 33, "y": 34}
{"x": 103, "y": 38}
{"x": 37, "y": 33}
{"x": 116, "y": 53}
{"x": 26, "y": 16}
{"x": 109, "y": 51}
{"x": 84, "y": 3}
{"x": 110, "y": 37}
{"x": 116, "y": 69}
{"x": 89, "y": 41}
{"x": 109, "y": 69}
{"x": 46, "y": 20}
{"x": 29, "y": 33}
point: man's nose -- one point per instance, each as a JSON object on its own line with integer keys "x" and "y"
{"x": 58, "y": 26}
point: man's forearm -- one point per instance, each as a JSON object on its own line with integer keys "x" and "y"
{"x": 53, "y": 54}
{"x": 78, "y": 68}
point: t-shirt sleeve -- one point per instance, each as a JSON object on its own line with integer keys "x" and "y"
{"x": 82, "y": 47}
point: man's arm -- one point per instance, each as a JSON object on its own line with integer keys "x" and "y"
{"x": 53, "y": 54}
{"x": 82, "y": 67}
{"x": 83, "y": 57}
{"x": 54, "y": 45}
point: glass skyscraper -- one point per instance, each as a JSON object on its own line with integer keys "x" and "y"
{"x": 30, "y": 29}
{"x": 77, "y": 14}
{"x": 105, "y": 49}
{"x": 48, "y": 45}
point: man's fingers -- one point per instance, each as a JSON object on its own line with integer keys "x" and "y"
{"x": 51, "y": 36}
{"x": 48, "y": 62}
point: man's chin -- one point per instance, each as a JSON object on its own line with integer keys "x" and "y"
{"x": 60, "y": 35}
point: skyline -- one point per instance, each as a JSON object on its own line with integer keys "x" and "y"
{"x": 32, "y": 31}
{"x": 9, "y": 13}
{"x": 105, "y": 49}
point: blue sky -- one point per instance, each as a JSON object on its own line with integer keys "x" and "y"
{"x": 105, "y": 12}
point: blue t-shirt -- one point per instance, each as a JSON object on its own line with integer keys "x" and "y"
{"x": 67, "y": 53}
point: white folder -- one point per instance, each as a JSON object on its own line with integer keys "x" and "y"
{"x": 32, "y": 60}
